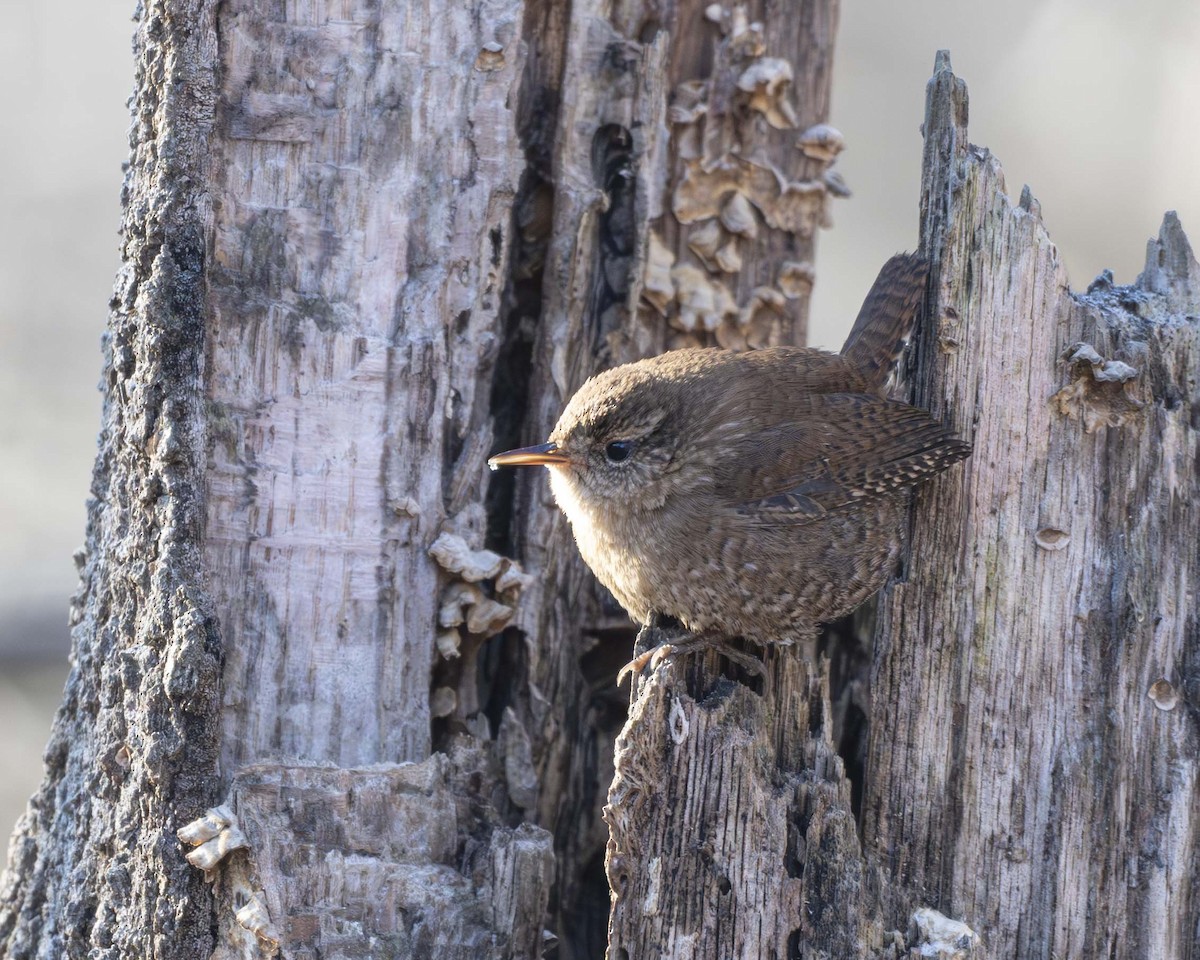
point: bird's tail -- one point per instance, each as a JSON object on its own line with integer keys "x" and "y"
{"x": 886, "y": 319}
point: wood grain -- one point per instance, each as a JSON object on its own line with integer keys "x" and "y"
{"x": 1020, "y": 775}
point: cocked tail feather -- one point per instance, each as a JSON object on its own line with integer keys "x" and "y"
{"x": 886, "y": 319}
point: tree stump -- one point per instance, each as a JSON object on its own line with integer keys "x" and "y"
{"x": 366, "y": 244}
{"x": 1032, "y": 758}
{"x": 1034, "y": 747}
{"x": 366, "y": 688}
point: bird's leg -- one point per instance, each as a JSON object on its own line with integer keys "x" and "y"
{"x": 708, "y": 640}
{"x": 655, "y": 634}
{"x": 663, "y": 639}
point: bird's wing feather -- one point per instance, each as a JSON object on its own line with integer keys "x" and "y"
{"x": 845, "y": 448}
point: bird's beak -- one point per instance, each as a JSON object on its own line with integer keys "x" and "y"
{"x": 543, "y": 454}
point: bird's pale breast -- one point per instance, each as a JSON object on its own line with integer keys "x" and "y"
{"x": 714, "y": 570}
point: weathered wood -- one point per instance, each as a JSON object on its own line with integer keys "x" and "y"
{"x": 1034, "y": 748}
{"x": 354, "y": 311}
{"x": 1032, "y": 757}
{"x": 297, "y": 418}
{"x": 648, "y": 94}
{"x": 708, "y": 855}
{"x": 368, "y": 243}
{"x": 731, "y": 826}
{"x": 365, "y": 169}
{"x": 373, "y": 235}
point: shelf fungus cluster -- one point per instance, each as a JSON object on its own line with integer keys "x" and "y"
{"x": 479, "y": 601}
{"x": 728, "y": 190}
{"x": 214, "y": 837}
{"x": 1102, "y": 393}
{"x": 696, "y": 303}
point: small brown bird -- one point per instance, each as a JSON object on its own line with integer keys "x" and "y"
{"x": 752, "y": 494}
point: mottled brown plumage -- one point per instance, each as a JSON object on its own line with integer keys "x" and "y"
{"x": 749, "y": 494}
{"x": 886, "y": 318}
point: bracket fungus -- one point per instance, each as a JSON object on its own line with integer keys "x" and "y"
{"x": 1101, "y": 392}
{"x": 468, "y": 601}
{"x": 821, "y": 142}
{"x": 768, "y": 82}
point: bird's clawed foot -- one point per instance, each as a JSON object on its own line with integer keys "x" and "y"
{"x": 669, "y": 641}
{"x": 654, "y": 656}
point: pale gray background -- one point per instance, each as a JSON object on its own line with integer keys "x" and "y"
{"x": 1091, "y": 102}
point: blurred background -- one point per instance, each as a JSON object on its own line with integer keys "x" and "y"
{"x": 1093, "y": 103}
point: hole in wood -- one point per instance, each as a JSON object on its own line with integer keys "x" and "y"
{"x": 796, "y": 851}
{"x": 649, "y": 30}
{"x": 582, "y": 913}
{"x": 615, "y": 172}
{"x": 500, "y": 673}
{"x": 847, "y": 645}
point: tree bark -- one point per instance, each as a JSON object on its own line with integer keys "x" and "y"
{"x": 94, "y": 867}
{"x": 365, "y": 244}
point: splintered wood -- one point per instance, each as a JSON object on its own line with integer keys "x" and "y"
{"x": 1030, "y": 769}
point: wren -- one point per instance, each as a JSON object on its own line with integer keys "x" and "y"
{"x": 753, "y": 494}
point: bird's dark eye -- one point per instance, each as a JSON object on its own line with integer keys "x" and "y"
{"x": 618, "y": 451}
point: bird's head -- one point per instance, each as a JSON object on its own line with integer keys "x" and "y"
{"x": 617, "y": 444}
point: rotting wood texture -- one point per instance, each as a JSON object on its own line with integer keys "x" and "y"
{"x": 365, "y": 243}
{"x": 1034, "y": 749}
{"x": 1032, "y": 762}
{"x": 717, "y": 112}
{"x": 368, "y": 243}
{"x": 366, "y": 168}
